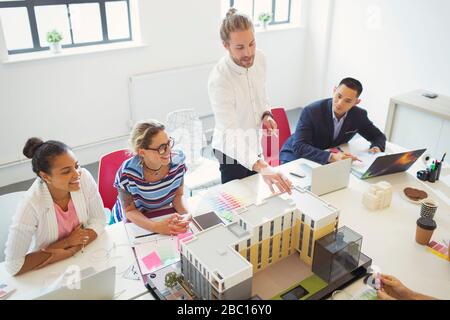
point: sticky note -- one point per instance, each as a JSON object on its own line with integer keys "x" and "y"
{"x": 152, "y": 261}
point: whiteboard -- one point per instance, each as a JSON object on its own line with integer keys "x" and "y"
{"x": 154, "y": 95}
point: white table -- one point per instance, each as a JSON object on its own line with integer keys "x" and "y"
{"x": 34, "y": 283}
{"x": 389, "y": 234}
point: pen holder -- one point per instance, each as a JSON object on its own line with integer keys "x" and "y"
{"x": 432, "y": 175}
{"x": 438, "y": 170}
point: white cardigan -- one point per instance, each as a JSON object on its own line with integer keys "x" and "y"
{"x": 35, "y": 227}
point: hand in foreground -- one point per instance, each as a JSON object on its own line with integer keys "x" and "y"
{"x": 393, "y": 289}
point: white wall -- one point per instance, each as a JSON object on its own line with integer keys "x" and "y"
{"x": 392, "y": 46}
{"x": 284, "y": 50}
{"x": 317, "y": 40}
{"x": 83, "y": 99}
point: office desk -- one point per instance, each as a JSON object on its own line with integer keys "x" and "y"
{"x": 389, "y": 234}
{"x": 33, "y": 283}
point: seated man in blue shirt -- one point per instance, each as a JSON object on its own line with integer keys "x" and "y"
{"x": 329, "y": 123}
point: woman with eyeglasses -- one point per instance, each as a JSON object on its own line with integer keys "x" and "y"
{"x": 60, "y": 214}
{"x": 152, "y": 179}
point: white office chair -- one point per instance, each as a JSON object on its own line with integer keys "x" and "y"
{"x": 8, "y": 206}
{"x": 185, "y": 127}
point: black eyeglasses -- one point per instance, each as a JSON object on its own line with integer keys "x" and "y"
{"x": 163, "y": 148}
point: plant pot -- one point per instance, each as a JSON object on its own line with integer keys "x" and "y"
{"x": 55, "y": 47}
{"x": 265, "y": 25}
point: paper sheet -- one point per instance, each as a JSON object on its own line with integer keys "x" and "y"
{"x": 165, "y": 248}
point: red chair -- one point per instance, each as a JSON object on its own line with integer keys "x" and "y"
{"x": 108, "y": 166}
{"x": 272, "y": 144}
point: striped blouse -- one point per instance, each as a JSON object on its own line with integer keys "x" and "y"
{"x": 148, "y": 196}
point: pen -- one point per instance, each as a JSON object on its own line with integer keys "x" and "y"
{"x": 340, "y": 149}
{"x": 82, "y": 247}
{"x": 297, "y": 175}
{"x": 146, "y": 235}
{"x": 445, "y": 153}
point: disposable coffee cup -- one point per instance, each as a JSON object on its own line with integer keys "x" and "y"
{"x": 424, "y": 230}
{"x": 428, "y": 208}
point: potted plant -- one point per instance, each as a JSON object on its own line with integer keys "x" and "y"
{"x": 264, "y": 18}
{"x": 54, "y": 40}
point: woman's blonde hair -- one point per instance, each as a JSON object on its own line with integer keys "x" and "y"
{"x": 142, "y": 134}
{"x": 234, "y": 21}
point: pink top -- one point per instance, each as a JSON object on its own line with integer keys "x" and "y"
{"x": 67, "y": 220}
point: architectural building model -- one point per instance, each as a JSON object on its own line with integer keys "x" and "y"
{"x": 220, "y": 262}
{"x": 379, "y": 196}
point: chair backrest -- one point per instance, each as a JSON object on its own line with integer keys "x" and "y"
{"x": 272, "y": 144}
{"x": 185, "y": 126}
{"x": 8, "y": 206}
{"x": 108, "y": 166}
{"x": 280, "y": 117}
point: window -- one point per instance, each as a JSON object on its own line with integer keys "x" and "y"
{"x": 310, "y": 244}
{"x": 290, "y": 241}
{"x": 259, "y": 253}
{"x": 80, "y": 22}
{"x": 270, "y": 250}
{"x": 279, "y": 9}
{"x": 281, "y": 246}
{"x": 300, "y": 243}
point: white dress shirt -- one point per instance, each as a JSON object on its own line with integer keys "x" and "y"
{"x": 35, "y": 227}
{"x": 337, "y": 124}
{"x": 238, "y": 99}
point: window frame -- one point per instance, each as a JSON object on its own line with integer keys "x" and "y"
{"x": 31, "y": 4}
{"x": 274, "y": 8}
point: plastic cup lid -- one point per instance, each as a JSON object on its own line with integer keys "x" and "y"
{"x": 426, "y": 223}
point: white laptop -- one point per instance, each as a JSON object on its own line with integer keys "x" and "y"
{"x": 326, "y": 178}
{"x": 96, "y": 286}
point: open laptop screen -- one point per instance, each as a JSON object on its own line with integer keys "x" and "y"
{"x": 392, "y": 163}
